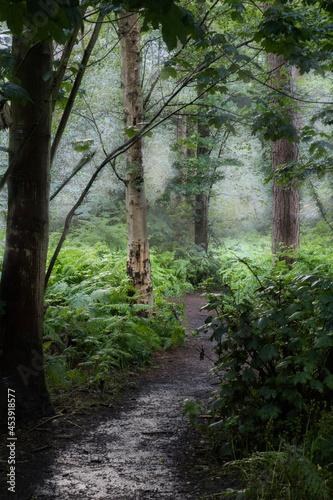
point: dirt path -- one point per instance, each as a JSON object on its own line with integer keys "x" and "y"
{"x": 141, "y": 450}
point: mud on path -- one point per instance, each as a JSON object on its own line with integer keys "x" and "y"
{"x": 142, "y": 449}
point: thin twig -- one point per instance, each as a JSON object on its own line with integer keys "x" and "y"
{"x": 319, "y": 205}
{"x": 84, "y": 160}
{"x": 60, "y": 415}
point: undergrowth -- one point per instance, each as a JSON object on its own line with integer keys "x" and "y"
{"x": 272, "y": 416}
{"x": 92, "y": 326}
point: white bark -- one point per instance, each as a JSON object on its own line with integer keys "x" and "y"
{"x": 138, "y": 261}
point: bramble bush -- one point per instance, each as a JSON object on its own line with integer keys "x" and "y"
{"x": 275, "y": 355}
{"x": 272, "y": 413}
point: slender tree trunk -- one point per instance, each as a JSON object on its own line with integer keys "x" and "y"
{"x": 181, "y": 132}
{"x": 201, "y": 220}
{"x": 286, "y": 199}
{"x": 22, "y": 281}
{"x": 138, "y": 260}
{"x": 76, "y": 87}
{"x": 202, "y": 198}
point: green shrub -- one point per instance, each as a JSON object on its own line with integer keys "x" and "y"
{"x": 199, "y": 266}
{"x": 275, "y": 355}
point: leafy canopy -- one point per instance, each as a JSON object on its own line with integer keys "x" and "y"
{"x": 55, "y": 18}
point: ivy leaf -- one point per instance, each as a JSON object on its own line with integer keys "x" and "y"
{"x": 230, "y": 375}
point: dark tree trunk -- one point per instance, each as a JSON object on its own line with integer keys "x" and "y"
{"x": 286, "y": 199}
{"x": 201, "y": 220}
{"x": 22, "y": 281}
{"x": 202, "y": 199}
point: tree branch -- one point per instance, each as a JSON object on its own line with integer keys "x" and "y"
{"x": 117, "y": 152}
{"x": 63, "y": 65}
{"x": 68, "y": 221}
{"x": 75, "y": 88}
{"x": 84, "y": 160}
{"x": 319, "y": 205}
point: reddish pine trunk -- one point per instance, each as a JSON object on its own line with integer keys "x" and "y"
{"x": 286, "y": 199}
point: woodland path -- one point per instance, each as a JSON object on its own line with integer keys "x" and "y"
{"x": 142, "y": 449}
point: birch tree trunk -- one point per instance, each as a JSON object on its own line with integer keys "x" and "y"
{"x": 286, "y": 199}
{"x": 138, "y": 260}
{"x": 22, "y": 281}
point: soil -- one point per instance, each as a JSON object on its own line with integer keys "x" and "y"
{"x": 141, "y": 448}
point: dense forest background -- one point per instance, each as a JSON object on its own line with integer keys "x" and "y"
{"x": 157, "y": 148}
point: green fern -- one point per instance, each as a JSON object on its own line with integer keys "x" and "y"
{"x": 55, "y": 371}
{"x": 92, "y": 319}
{"x": 286, "y": 474}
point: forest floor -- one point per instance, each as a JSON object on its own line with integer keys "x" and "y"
{"x": 139, "y": 448}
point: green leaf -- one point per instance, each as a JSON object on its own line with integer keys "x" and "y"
{"x": 267, "y": 392}
{"x": 323, "y": 341}
{"x": 82, "y": 144}
{"x": 293, "y": 396}
{"x": 316, "y": 385}
{"x": 329, "y": 381}
{"x": 268, "y": 352}
{"x": 50, "y": 74}
{"x": 168, "y": 72}
{"x": 13, "y": 91}
{"x": 249, "y": 375}
{"x": 12, "y": 13}
{"x": 269, "y": 411}
{"x": 130, "y": 131}
{"x": 281, "y": 320}
{"x": 243, "y": 101}
{"x": 229, "y": 375}
{"x": 6, "y": 59}
{"x": 301, "y": 378}
{"x": 262, "y": 322}
{"x": 175, "y": 26}
{"x": 296, "y": 315}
